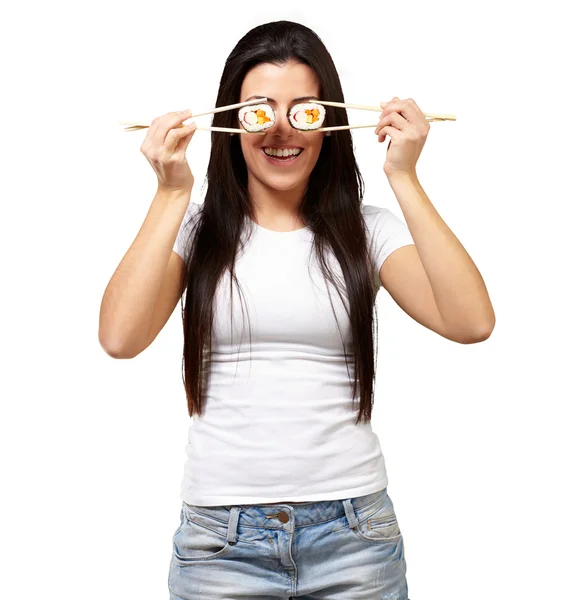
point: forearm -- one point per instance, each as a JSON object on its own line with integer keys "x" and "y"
{"x": 131, "y": 294}
{"x": 458, "y": 288}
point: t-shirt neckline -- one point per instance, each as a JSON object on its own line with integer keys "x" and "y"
{"x": 280, "y": 234}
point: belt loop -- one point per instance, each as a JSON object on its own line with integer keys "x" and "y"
{"x": 231, "y": 535}
{"x": 350, "y": 513}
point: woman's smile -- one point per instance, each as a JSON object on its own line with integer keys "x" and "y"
{"x": 282, "y": 161}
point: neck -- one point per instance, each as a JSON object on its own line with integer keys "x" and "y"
{"x": 275, "y": 207}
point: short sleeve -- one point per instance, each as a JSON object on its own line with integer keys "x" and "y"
{"x": 185, "y": 232}
{"x": 387, "y": 234}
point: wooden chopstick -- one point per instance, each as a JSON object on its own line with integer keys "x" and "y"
{"x": 202, "y": 128}
{"x": 229, "y": 107}
{"x": 337, "y": 128}
{"x": 340, "y": 127}
{"x": 435, "y": 117}
{"x": 229, "y": 130}
{"x": 135, "y": 125}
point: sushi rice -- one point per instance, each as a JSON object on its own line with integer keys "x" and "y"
{"x": 307, "y": 115}
{"x": 256, "y": 117}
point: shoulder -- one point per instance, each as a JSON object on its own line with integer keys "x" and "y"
{"x": 184, "y": 238}
{"x": 386, "y": 233}
{"x": 370, "y": 210}
{"x": 376, "y": 215}
{"x": 193, "y": 210}
{"x": 382, "y": 222}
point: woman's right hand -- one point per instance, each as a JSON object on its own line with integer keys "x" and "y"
{"x": 165, "y": 146}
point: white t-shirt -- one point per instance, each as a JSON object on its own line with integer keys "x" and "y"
{"x": 278, "y": 424}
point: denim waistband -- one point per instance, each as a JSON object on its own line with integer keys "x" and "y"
{"x": 295, "y": 515}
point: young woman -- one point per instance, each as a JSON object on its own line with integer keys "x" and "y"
{"x": 285, "y": 489}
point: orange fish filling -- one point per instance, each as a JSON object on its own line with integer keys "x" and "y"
{"x": 262, "y": 117}
{"x": 312, "y": 115}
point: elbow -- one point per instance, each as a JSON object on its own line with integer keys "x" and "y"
{"x": 476, "y": 333}
{"x": 115, "y": 350}
{"x": 110, "y": 350}
{"x": 481, "y": 335}
{"x": 486, "y": 332}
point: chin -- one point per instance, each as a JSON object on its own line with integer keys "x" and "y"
{"x": 282, "y": 181}
{"x": 283, "y": 184}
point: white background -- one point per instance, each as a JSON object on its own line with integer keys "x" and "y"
{"x": 92, "y": 448}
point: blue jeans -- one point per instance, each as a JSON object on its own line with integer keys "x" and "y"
{"x": 348, "y": 549}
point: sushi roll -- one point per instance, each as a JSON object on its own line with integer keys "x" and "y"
{"x": 256, "y": 117}
{"x": 307, "y": 116}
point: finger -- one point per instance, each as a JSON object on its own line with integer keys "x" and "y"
{"x": 408, "y": 108}
{"x": 177, "y": 135}
{"x": 403, "y": 107}
{"x": 392, "y": 132}
{"x": 412, "y": 103}
{"x": 162, "y": 126}
{"x": 174, "y": 123}
{"x": 184, "y": 142}
{"x": 398, "y": 121}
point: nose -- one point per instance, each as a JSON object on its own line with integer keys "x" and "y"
{"x": 282, "y": 127}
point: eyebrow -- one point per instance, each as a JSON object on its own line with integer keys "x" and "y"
{"x": 293, "y": 100}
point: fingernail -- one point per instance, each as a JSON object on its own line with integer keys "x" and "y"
{"x": 383, "y": 104}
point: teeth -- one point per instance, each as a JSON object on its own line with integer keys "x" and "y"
{"x": 284, "y": 152}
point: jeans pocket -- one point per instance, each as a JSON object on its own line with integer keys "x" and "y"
{"x": 199, "y": 537}
{"x": 377, "y": 524}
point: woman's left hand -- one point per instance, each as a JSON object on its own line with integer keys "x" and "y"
{"x": 405, "y": 124}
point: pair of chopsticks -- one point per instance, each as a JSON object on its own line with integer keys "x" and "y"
{"x": 135, "y": 125}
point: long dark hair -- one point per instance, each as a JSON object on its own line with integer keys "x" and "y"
{"x": 330, "y": 207}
